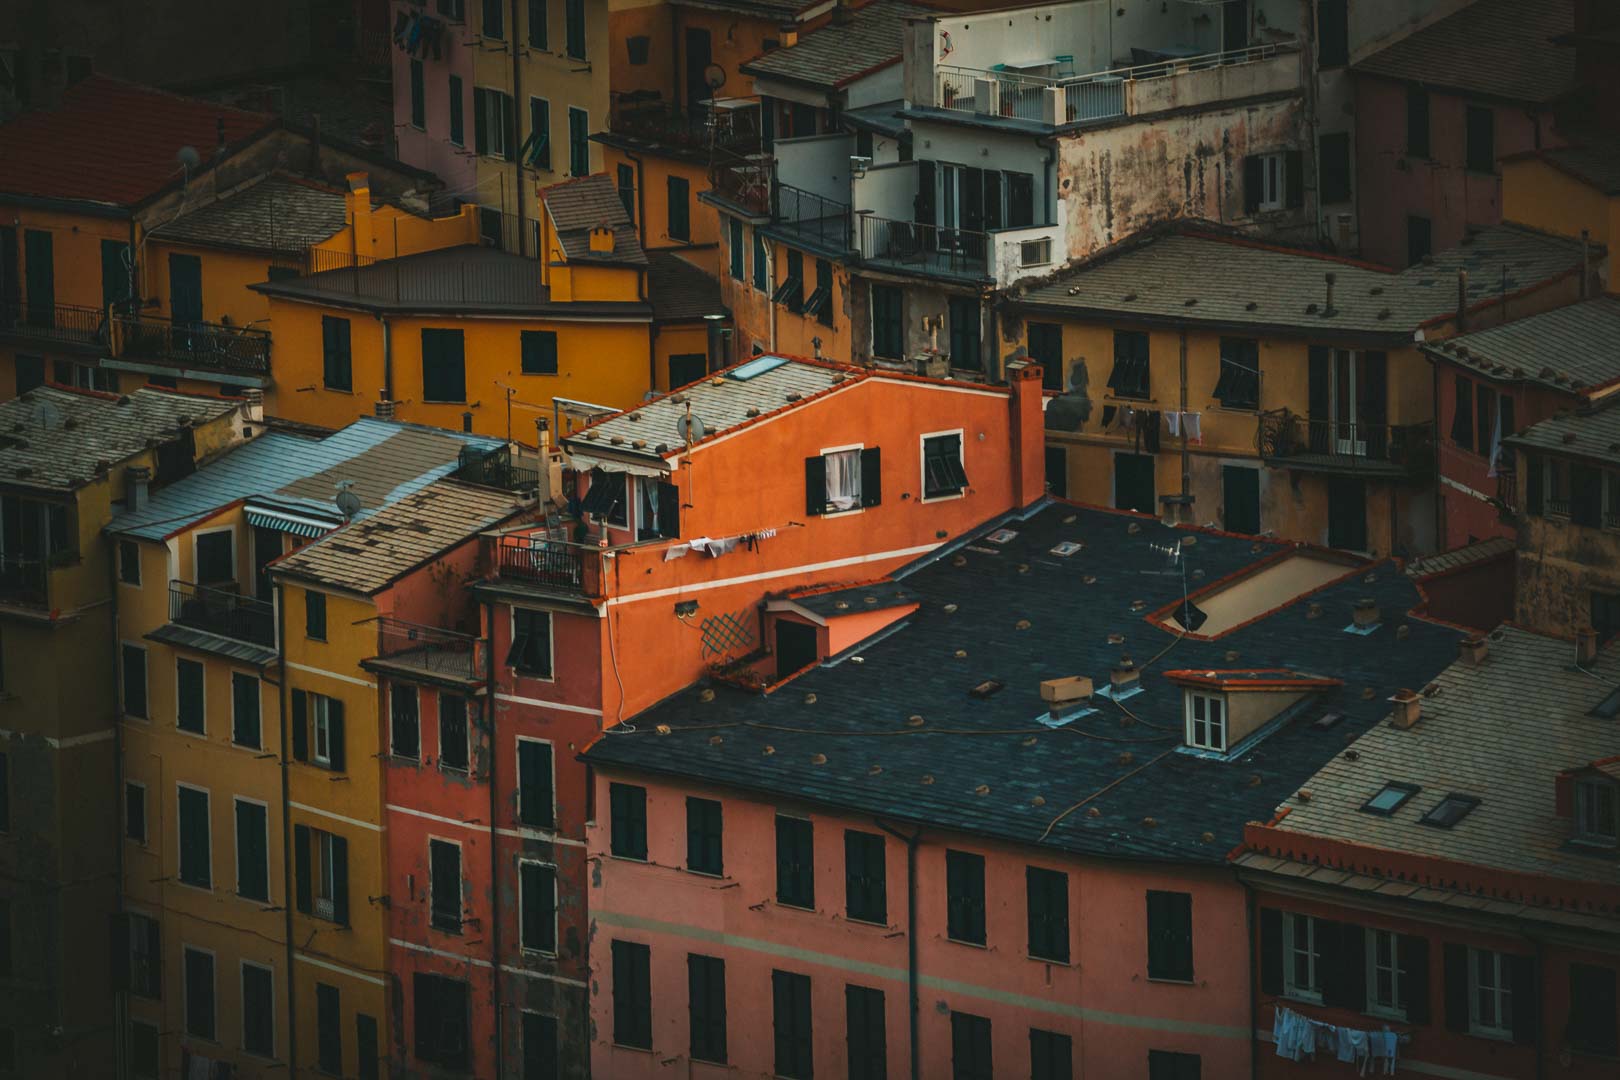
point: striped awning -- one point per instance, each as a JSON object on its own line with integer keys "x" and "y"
{"x": 282, "y": 521}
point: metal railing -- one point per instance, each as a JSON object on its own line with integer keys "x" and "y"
{"x": 1007, "y": 94}
{"x": 1332, "y": 445}
{"x": 908, "y": 245}
{"x": 429, "y": 648}
{"x": 745, "y": 182}
{"x": 497, "y": 469}
{"x": 222, "y": 611}
{"x": 68, "y": 324}
{"x": 24, "y": 581}
{"x": 809, "y": 215}
{"x": 460, "y": 275}
{"x": 665, "y": 122}
{"x": 194, "y": 345}
{"x": 556, "y": 564}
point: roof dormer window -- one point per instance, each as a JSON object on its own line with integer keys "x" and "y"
{"x": 1597, "y": 811}
{"x": 1206, "y": 721}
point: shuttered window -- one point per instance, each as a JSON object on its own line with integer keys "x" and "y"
{"x": 245, "y": 721}
{"x": 574, "y": 13}
{"x": 706, "y": 1003}
{"x": 579, "y": 141}
{"x": 418, "y": 97}
{"x": 540, "y": 1057}
{"x": 1131, "y": 376}
{"x": 539, "y": 352}
{"x": 189, "y": 695}
{"x": 328, "y": 1029}
{"x": 444, "y": 886}
{"x": 196, "y": 857}
{"x": 1238, "y": 385}
{"x": 453, "y": 734}
{"x": 531, "y": 642}
{"x": 628, "y": 806}
{"x": 321, "y": 874}
{"x": 134, "y": 669}
{"x": 943, "y": 472}
{"x": 258, "y": 1010}
{"x": 866, "y": 1033}
{"x": 679, "y": 195}
{"x": 458, "y": 126}
{"x": 535, "y": 807}
{"x": 704, "y": 847}
{"x": 1169, "y": 928}
{"x": 1593, "y": 1017}
{"x": 537, "y": 887}
{"x": 252, "y": 851}
{"x": 404, "y": 722}
{"x": 795, "y": 1059}
{"x": 964, "y": 896}
{"x": 444, "y": 368}
{"x": 971, "y": 1057}
{"x": 795, "y": 862}
{"x": 1051, "y": 1055}
{"x": 632, "y": 994}
{"x": 1048, "y": 895}
{"x": 888, "y": 327}
{"x": 1173, "y": 1065}
{"x": 734, "y": 247}
{"x": 337, "y": 359}
{"x": 441, "y": 1020}
{"x": 1046, "y": 349}
{"x": 865, "y": 886}
{"x": 199, "y": 993}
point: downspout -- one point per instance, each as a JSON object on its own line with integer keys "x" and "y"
{"x": 494, "y": 837}
{"x": 388, "y": 357}
{"x": 911, "y": 938}
{"x": 1254, "y": 983}
{"x": 1439, "y": 496}
{"x": 288, "y": 886}
{"x": 121, "y": 1006}
{"x": 517, "y": 168}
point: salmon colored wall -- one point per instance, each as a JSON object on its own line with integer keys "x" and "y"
{"x": 849, "y": 630}
{"x": 673, "y": 911}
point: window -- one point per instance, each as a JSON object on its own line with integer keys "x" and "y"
{"x": 328, "y": 1029}
{"x": 1417, "y": 121}
{"x": 840, "y": 480}
{"x": 494, "y": 26}
{"x": 1592, "y": 1010}
{"x": 318, "y": 735}
{"x": 1419, "y": 238}
{"x": 866, "y": 1033}
{"x": 1490, "y": 993}
{"x": 1169, "y": 929}
{"x": 820, "y": 303}
{"x": 404, "y": 727}
{"x": 418, "y": 98}
{"x": 135, "y": 681}
{"x": 1332, "y": 33}
{"x": 458, "y": 124}
{"x": 704, "y": 853}
{"x": 144, "y": 1060}
{"x": 535, "y": 805}
{"x": 762, "y": 264}
{"x": 537, "y": 899}
{"x": 1485, "y": 419}
{"x": 706, "y": 1006}
{"x": 579, "y": 144}
{"x": 943, "y": 473}
{"x": 129, "y": 562}
{"x": 1046, "y": 348}
{"x": 1450, "y": 810}
{"x": 1238, "y": 386}
{"x": 252, "y": 851}
{"x": 199, "y": 993}
{"x": 444, "y": 368}
{"x": 627, "y": 190}
{"x": 1265, "y": 182}
{"x": 791, "y": 1013}
{"x": 1036, "y": 252}
{"x": 888, "y": 327}
{"x": 680, "y": 210}
{"x": 538, "y": 30}
{"x": 1131, "y": 375}
{"x": 145, "y": 953}
{"x": 494, "y": 123}
{"x": 632, "y": 995}
{"x": 964, "y": 897}
{"x": 1048, "y": 896}
{"x": 321, "y": 870}
{"x": 441, "y": 1020}
{"x": 189, "y": 696}
{"x": 734, "y": 246}
{"x": 605, "y": 498}
{"x": 628, "y": 804}
{"x": 314, "y": 615}
{"x": 337, "y": 364}
{"x": 540, "y": 1056}
{"x": 1597, "y": 816}
{"x": 453, "y": 749}
{"x": 135, "y": 811}
{"x": 1387, "y": 980}
{"x": 245, "y": 725}
{"x": 1480, "y": 128}
{"x": 444, "y": 886}
{"x": 1462, "y": 417}
{"x": 1333, "y": 154}
{"x": 1206, "y": 721}
{"x": 1390, "y": 798}
{"x": 685, "y": 368}
{"x": 965, "y": 340}
{"x": 790, "y": 293}
{"x": 1300, "y": 957}
{"x": 1174, "y": 1065}
{"x": 196, "y": 843}
{"x": 865, "y": 877}
{"x": 971, "y": 1058}
{"x": 574, "y": 14}
{"x": 1051, "y": 1055}
{"x": 258, "y": 1010}
{"x": 531, "y": 643}
{"x": 660, "y": 516}
{"x": 795, "y": 862}
{"x": 539, "y": 142}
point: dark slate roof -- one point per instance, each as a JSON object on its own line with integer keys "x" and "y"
{"x": 679, "y": 291}
{"x": 578, "y": 206}
{"x": 1570, "y": 349}
{"x": 1597, "y": 162}
{"x": 276, "y": 213}
{"x": 455, "y": 280}
{"x": 187, "y": 637}
{"x": 58, "y": 438}
{"x": 837, "y": 53}
{"x": 1189, "y": 276}
{"x": 883, "y": 118}
{"x": 852, "y": 599}
{"x": 1497, "y": 48}
{"x": 775, "y": 10}
{"x": 1590, "y": 433}
{"x": 897, "y": 734}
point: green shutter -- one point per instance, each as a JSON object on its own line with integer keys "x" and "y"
{"x": 252, "y": 852}
{"x": 300, "y": 725}
{"x": 301, "y": 869}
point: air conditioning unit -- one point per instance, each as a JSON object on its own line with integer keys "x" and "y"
{"x": 1035, "y": 252}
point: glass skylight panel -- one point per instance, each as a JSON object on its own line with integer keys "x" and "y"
{"x": 1450, "y": 810}
{"x": 1390, "y": 798}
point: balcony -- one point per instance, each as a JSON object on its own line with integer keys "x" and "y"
{"x": 550, "y": 565}
{"x": 1388, "y": 451}
{"x": 924, "y": 249}
{"x": 810, "y": 218}
{"x": 210, "y": 347}
{"x": 53, "y": 324}
{"x": 428, "y": 654}
{"x": 222, "y": 613}
{"x": 651, "y": 119}
{"x": 743, "y": 182}
{"x": 498, "y": 469}
{"x": 24, "y": 582}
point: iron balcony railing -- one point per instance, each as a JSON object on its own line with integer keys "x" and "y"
{"x": 430, "y": 649}
{"x": 65, "y": 324}
{"x": 497, "y": 469}
{"x": 24, "y": 581}
{"x": 1341, "y": 446}
{"x": 211, "y": 346}
{"x": 557, "y": 564}
{"x": 666, "y": 123}
{"x": 744, "y": 182}
{"x": 810, "y": 216}
{"x": 222, "y": 611}
{"x": 908, "y": 245}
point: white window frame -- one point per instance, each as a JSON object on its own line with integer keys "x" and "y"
{"x": 269, "y": 885}
{"x": 1210, "y": 700}
{"x": 551, "y": 147}
{"x": 234, "y": 673}
{"x": 551, "y": 643}
{"x": 922, "y": 464}
{"x": 146, "y": 816}
{"x": 855, "y": 448}
{"x": 242, "y": 998}
{"x": 461, "y": 861}
{"x": 133, "y": 545}
{"x": 137, "y": 946}
{"x": 554, "y": 890}
{"x": 320, "y": 729}
{"x": 1495, "y": 965}
{"x": 521, "y": 739}
{"x": 179, "y": 848}
{"x": 178, "y": 660}
{"x": 1392, "y": 1009}
{"x": 494, "y": 126}
{"x": 1273, "y": 181}
{"x": 185, "y": 991}
{"x": 323, "y": 890}
{"x": 416, "y": 691}
{"x": 1291, "y": 923}
{"x": 1586, "y": 789}
{"x": 197, "y": 535}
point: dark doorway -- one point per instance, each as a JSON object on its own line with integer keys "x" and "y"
{"x": 1241, "y": 495}
{"x": 1057, "y": 471}
{"x": 40, "y": 271}
{"x": 10, "y": 287}
{"x": 687, "y": 368}
{"x": 1234, "y": 25}
{"x": 1347, "y": 513}
{"x": 1133, "y": 482}
{"x": 699, "y": 55}
{"x": 795, "y": 647}
{"x": 185, "y": 289}
{"x": 266, "y": 546}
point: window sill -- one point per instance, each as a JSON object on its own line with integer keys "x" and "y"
{"x": 1306, "y": 997}
{"x": 536, "y": 954}
{"x": 538, "y": 374}
{"x": 1049, "y": 960}
{"x": 433, "y": 401}
{"x": 627, "y": 1046}
{"x": 944, "y": 497}
{"x": 1249, "y": 410}
{"x": 856, "y": 920}
{"x": 537, "y": 676}
{"x": 453, "y": 931}
{"x": 1165, "y": 980}
{"x": 405, "y": 759}
{"x": 1492, "y": 1034}
{"x": 784, "y": 905}
{"x": 642, "y": 859}
{"x": 1384, "y": 1013}
{"x": 710, "y": 874}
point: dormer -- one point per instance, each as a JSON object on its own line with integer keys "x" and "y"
{"x": 1590, "y": 798}
{"x": 1224, "y": 711}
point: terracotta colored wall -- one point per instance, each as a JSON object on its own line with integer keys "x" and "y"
{"x": 1479, "y": 595}
{"x": 675, "y": 912}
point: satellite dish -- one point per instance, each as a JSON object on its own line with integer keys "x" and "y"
{"x": 714, "y": 76}
{"x": 348, "y": 503}
{"x": 690, "y": 428}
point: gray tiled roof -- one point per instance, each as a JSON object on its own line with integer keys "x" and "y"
{"x": 1494, "y": 547}
{"x": 374, "y": 551}
{"x": 277, "y": 214}
{"x": 1498, "y": 48}
{"x": 779, "y": 10}
{"x": 837, "y": 53}
{"x": 57, "y": 438}
{"x": 679, "y": 291}
{"x": 1189, "y": 276}
{"x": 187, "y": 637}
{"x": 843, "y": 735}
{"x": 578, "y": 206}
{"x": 1479, "y": 736}
{"x": 1596, "y": 161}
{"x": 1570, "y": 348}
{"x": 1591, "y": 433}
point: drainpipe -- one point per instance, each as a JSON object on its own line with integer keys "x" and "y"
{"x": 517, "y": 167}
{"x": 494, "y": 837}
{"x": 121, "y": 1001}
{"x": 388, "y": 356}
{"x": 1254, "y": 983}
{"x": 911, "y": 938}
{"x": 288, "y": 886}
{"x": 1186, "y": 464}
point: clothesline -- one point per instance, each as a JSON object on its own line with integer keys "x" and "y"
{"x": 1298, "y": 1036}
{"x": 714, "y": 547}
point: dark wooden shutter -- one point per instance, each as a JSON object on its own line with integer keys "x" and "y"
{"x": 1020, "y": 200}
{"x": 1294, "y": 179}
{"x": 480, "y": 121}
{"x": 815, "y": 484}
{"x": 1457, "y": 987}
{"x": 1462, "y": 417}
{"x": 669, "y": 510}
{"x": 992, "y": 199}
{"x": 871, "y": 476}
{"x": 1271, "y": 953}
{"x": 972, "y": 198}
{"x": 1414, "y": 955}
{"x": 1320, "y": 379}
{"x": 120, "y": 950}
{"x": 306, "y": 902}
{"x": 334, "y": 729}
{"x": 1344, "y": 957}
{"x": 923, "y": 203}
{"x": 1254, "y": 182}
{"x": 340, "y": 881}
{"x": 300, "y": 725}
{"x": 534, "y": 784}
{"x": 1526, "y": 988}
{"x": 1373, "y": 384}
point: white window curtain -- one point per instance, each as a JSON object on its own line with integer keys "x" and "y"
{"x": 844, "y": 480}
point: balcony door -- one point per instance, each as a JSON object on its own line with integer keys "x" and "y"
{"x": 1348, "y": 403}
{"x": 185, "y": 289}
{"x": 1347, "y": 439}
{"x": 699, "y": 55}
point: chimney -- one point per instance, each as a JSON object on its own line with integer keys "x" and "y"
{"x": 1408, "y": 708}
{"x": 1462, "y": 301}
{"x": 1124, "y": 677}
{"x": 602, "y": 239}
{"x": 715, "y": 328}
{"x": 787, "y": 35}
{"x": 357, "y": 207}
{"x": 1028, "y": 430}
{"x": 137, "y": 479}
{"x": 542, "y": 427}
{"x": 466, "y": 421}
{"x": 1365, "y": 615}
{"x": 1473, "y": 651}
{"x": 1586, "y": 646}
{"x": 1327, "y": 309}
{"x": 1063, "y": 694}
{"x": 384, "y": 408}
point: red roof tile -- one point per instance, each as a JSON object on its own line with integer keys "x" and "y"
{"x": 112, "y": 141}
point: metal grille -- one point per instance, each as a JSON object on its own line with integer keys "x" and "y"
{"x": 725, "y": 633}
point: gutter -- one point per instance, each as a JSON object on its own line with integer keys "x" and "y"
{"x": 911, "y": 938}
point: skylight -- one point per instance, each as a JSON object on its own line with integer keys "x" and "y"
{"x": 1261, "y": 592}
{"x": 755, "y": 367}
{"x": 1609, "y": 707}
{"x": 1450, "y": 810}
{"x": 1391, "y": 798}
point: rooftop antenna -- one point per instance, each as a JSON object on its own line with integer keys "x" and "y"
{"x": 348, "y": 503}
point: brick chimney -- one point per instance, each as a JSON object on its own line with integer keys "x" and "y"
{"x": 357, "y": 209}
{"x": 384, "y": 406}
{"x": 1028, "y": 433}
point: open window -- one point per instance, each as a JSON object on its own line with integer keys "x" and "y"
{"x": 845, "y": 479}
{"x": 943, "y": 473}
{"x": 604, "y": 499}
{"x": 660, "y": 516}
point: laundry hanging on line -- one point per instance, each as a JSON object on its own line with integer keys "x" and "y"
{"x": 1298, "y": 1036}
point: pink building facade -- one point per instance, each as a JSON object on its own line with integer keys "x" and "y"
{"x": 432, "y": 69}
